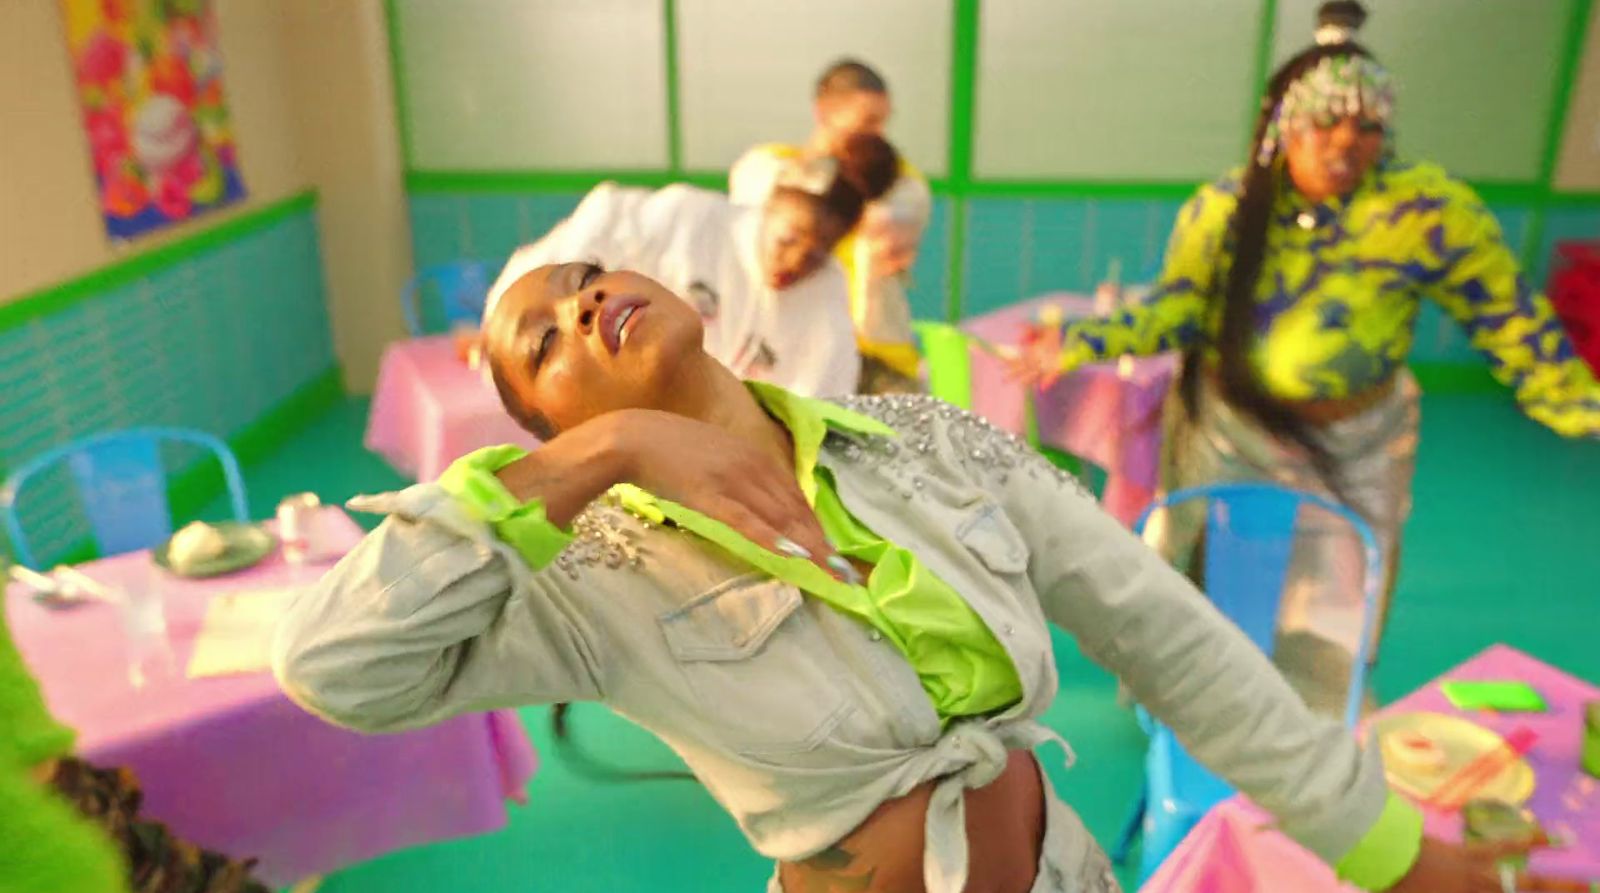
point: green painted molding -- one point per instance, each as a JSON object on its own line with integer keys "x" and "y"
{"x": 965, "y": 20}
{"x": 55, "y": 298}
{"x": 1267, "y": 29}
{"x": 275, "y": 427}
{"x": 192, "y": 490}
{"x": 963, "y": 89}
{"x": 956, "y": 261}
{"x": 437, "y": 181}
{"x": 1566, "y": 76}
{"x": 1112, "y": 189}
{"x": 1444, "y": 377}
{"x": 669, "y": 31}
{"x": 459, "y": 181}
{"x": 397, "y": 80}
{"x": 1579, "y": 199}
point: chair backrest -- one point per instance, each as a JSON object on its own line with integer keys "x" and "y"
{"x": 442, "y": 295}
{"x": 945, "y": 349}
{"x": 1249, "y": 540}
{"x": 122, "y": 487}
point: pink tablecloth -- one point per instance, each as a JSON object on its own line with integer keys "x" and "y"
{"x": 1231, "y": 851}
{"x": 430, "y": 409}
{"x": 231, "y": 764}
{"x": 1107, "y": 415}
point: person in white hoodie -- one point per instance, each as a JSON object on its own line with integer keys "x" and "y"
{"x": 773, "y": 298}
{"x": 852, "y": 99}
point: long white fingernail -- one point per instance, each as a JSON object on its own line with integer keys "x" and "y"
{"x": 845, "y": 569}
{"x": 790, "y": 547}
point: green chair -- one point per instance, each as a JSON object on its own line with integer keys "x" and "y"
{"x": 944, "y": 347}
{"x": 948, "y": 354}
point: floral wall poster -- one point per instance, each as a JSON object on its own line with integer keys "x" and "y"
{"x": 149, "y": 80}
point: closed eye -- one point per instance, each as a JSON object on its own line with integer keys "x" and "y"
{"x": 547, "y": 341}
{"x": 591, "y": 272}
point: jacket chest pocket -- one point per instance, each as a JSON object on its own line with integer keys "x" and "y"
{"x": 990, "y": 536}
{"x": 765, "y": 678}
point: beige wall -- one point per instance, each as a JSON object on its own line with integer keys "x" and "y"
{"x": 345, "y": 127}
{"x": 1578, "y": 167}
{"x": 308, "y": 85}
{"x": 50, "y": 225}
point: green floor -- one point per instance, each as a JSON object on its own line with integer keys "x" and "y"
{"x": 1503, "y": 546}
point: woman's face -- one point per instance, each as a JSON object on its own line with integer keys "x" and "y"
{"x": 1331, "y": 158}
{"x": 573, "y": 341}
{"x": 796, "y": 239}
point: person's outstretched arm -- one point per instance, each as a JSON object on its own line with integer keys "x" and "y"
{"x": 1477, "y": 281}
{"x": 1198, "y": 674}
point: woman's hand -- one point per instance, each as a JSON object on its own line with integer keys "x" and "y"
{"x": 725, "y": 477}
{"x": 1475, "y": 868}
{"x": 700, "y": 466}
{"x": 1037, "y": 362}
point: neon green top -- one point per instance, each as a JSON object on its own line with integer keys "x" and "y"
{"x": 1340, "y": 286}
{"x": 961, "y": 664}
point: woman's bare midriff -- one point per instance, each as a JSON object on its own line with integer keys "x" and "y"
{"x": 1005, "y": 824}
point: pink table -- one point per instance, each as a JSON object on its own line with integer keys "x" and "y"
{"x": 232, "y": 764}
{"x": 430, "y": 409}
{"x": 1230, "y": 850}
{"x": 1098, "y": 413}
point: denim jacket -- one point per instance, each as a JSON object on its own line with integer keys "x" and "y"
{"x": 798, "y": 720}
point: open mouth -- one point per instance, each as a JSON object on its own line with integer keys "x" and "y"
{"x": 618, "y": 320}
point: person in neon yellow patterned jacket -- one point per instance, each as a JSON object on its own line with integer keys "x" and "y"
{"x": 1339, "y": 303}
{"x": 1293, "y": 287}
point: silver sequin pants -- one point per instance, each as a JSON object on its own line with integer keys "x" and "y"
{"x": 1319, "y": 621}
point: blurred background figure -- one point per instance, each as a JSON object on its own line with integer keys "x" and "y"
{"x": 852, "y": 99}
{"x": 763, "y": 277}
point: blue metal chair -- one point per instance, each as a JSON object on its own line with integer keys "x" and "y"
{"x": 122, "y": 487}
{"x": 442, "y": 295}
{"x": 1249, "y": 539}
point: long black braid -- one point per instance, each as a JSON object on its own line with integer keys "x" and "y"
{"x": 1247, "y": 234}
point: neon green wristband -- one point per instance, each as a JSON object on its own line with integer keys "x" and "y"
{"x": 523, "y": 526}
{"x": 1389, "y": 849}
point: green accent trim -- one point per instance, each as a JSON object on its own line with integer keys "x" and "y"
{"x": 192, "y": 490}
{"x": 1532, "y": 237}
{"x": 551, "y": 181}
{"x": 1080, "y": 189}
{"x": 1266, "y": 30}
{"x": 1573, "y": 199}
{"x": 1455, "y": 378}
{"x": 425, "y": 181}
{"x": 397, "y": 80}
{"x": 1510, "y": 193}
{"x": 964, "y": 20}
{"x": 963, "y": 89}
{"x": 956, "y": 260}
{"x": 1566, "y": 76}
{"x": 289, "y": 416}
{"x": 669, "y": 30}
{"x": 55, "y": 298}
